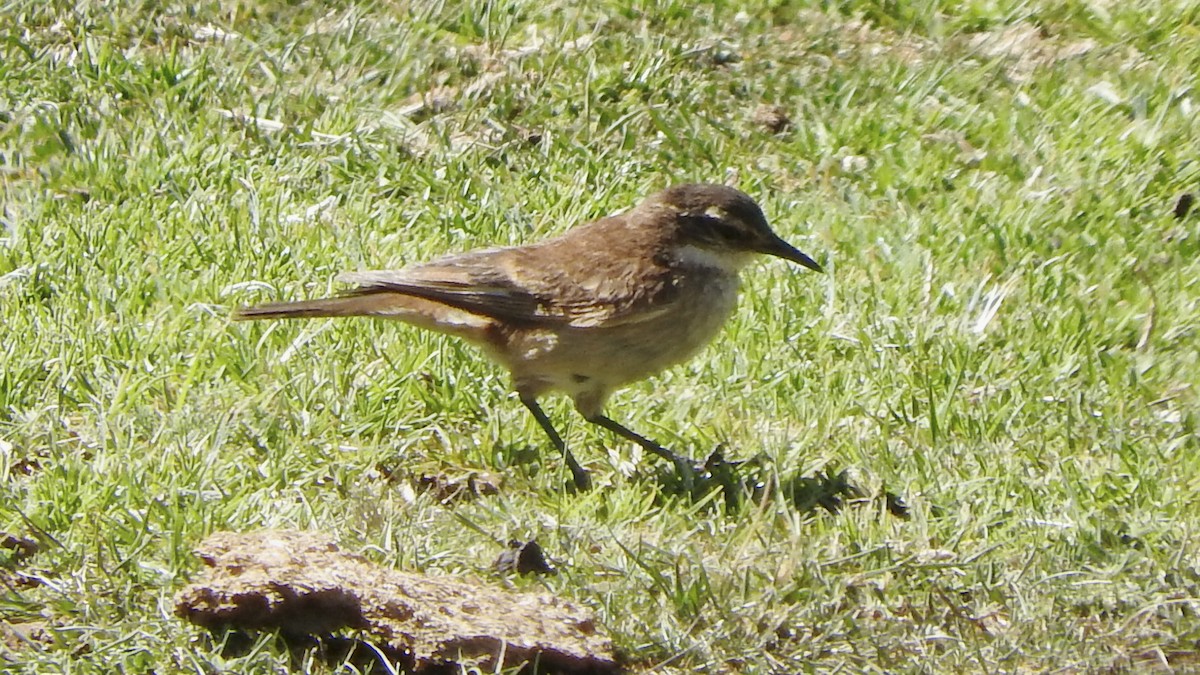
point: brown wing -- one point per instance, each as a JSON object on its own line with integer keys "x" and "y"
{"x": 582, "y": 279}
{"x": 474, "y": 282}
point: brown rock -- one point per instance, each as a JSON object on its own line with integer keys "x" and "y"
{"x": 773, "y": 118}
{"x": 301, "y": 582}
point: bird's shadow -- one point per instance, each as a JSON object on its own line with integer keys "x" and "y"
{"x": 736, "y": 484}
{"x": 733, "y": 484}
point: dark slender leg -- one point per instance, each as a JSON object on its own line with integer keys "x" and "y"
{"x": 685, "y": 466}
{"x": 582, "y": 480}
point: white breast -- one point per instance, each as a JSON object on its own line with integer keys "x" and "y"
{"x": 728, "y": 262}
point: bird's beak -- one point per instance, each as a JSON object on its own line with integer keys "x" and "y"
{"x": 782, "y": 249}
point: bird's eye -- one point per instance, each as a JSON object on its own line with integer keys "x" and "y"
{"x": 724, "y": 229}
{"x": 726, "y": 225}
{"x": 719, "y": 230}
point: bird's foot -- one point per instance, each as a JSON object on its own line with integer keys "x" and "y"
{"x": 581, "y": 478}
{"x": 723, "y": 472}
{"x": 688, "y": 470}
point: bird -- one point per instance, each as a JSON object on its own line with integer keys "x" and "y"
{"x": 607, "y": 303}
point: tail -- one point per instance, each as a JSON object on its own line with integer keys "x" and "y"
{"x": 384, "y": 303}
{"x": 350, "y": 305}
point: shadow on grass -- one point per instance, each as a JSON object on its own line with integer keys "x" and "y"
{"x": 342, "y": 651}
{"x": 754, "y": 481}
{"x": 734, "y": 483}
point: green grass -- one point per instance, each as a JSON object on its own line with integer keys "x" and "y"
{"x": 1007, "y": 335}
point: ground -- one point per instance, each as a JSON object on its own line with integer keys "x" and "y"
{"x": 1006, "y": 335}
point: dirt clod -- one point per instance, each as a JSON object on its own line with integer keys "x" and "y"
{"x": 773, "y": 118}
{"x": 1183, "y": 204}
{"x": 303, "y": 583}
{"x": 17, "y": 548}
{"x": 524, "y": 557}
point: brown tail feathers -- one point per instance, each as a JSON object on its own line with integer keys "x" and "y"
{"x": 368, "y": 301}
{"x": 351, "y": 305}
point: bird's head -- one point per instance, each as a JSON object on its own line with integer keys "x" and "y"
{"x": 724, "y": 224}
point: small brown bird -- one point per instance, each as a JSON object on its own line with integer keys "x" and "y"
{"x": 606, "y": 304}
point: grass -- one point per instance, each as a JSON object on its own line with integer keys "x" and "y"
{"x": 1006, "y": 336}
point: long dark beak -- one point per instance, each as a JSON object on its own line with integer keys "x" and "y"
{"x": 782, "y": 249}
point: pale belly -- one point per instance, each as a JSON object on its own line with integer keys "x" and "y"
{"x": 588, "y": 363}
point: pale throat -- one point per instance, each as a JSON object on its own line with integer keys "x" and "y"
{"x": 729, "y": 262}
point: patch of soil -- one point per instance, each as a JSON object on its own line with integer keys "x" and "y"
{"x": 302, "y": 583}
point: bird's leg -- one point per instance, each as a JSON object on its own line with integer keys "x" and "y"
{"x": 685, "y": 466}
{"x": 582, "y": 480}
